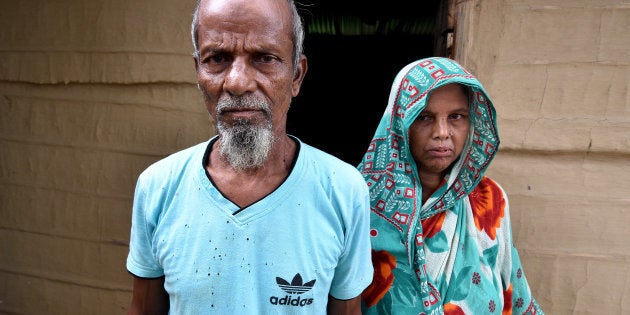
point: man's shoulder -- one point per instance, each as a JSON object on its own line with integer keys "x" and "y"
{"x": 328, "y": 165}
{"x": 326, "y": 158}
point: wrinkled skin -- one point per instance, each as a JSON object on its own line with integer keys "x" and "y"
{"x": 438, "y": 135}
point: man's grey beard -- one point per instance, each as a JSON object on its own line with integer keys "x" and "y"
{"x": 245, "y": 144}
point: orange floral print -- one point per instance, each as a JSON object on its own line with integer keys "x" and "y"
{"x": 383, "y": 263}
{"x": 507, "y": 301}
{"x": 433, "y": 225}
{"x": 452, "y": 309}
{"x": 488, "y": 206}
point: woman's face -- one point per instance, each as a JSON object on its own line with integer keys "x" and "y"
{"x": 439, "y": 133}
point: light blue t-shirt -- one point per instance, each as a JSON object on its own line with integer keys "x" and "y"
{"x": 282, "y": 255}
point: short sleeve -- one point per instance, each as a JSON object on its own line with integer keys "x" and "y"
{"x": 141, "y": 260}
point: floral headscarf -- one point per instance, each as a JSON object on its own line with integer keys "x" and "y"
{"x": 454, "y": 253}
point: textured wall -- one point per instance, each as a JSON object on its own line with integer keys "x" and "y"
{"x": 559, "y": 74}
{"x": 91, "y": 92}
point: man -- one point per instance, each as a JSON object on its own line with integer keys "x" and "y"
{"x": 253, "y": 220}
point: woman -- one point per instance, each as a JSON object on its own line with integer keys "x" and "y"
{"x": 441, "y": 234}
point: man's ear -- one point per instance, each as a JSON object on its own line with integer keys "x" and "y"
{"x": 300, "y": 73}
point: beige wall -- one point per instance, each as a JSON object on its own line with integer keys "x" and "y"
{"x": 91, "y": 92}
{"x": 559, "y": 75}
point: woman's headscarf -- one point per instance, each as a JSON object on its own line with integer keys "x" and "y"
{"x": 389, "y": 155}
{"x": 397, "y": 214}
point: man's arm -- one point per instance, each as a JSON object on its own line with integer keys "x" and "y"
{"x": 149, "y": 297}
{"x": 344, "y": 307}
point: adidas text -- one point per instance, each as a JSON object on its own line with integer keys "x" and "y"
{"x": 287, "y": 300}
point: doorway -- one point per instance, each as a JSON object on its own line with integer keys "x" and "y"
{"x": 354, "y": 55}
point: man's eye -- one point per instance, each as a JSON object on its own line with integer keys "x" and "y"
{"x": 423, "y": 117}
{"x": 216, "y": 59}
{"x": 266, "y": 58}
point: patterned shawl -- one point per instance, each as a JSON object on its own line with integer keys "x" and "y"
{"x": 454, "y": 254}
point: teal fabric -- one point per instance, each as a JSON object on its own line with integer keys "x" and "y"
{"x": 284, "y": 254}
{"x": 466, "y": 262}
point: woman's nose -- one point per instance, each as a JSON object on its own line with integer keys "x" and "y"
{"x": 441, "y": 129}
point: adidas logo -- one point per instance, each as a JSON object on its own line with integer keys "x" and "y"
{"x": 296, "y": 286}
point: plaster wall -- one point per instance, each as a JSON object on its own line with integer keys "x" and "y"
{"x": 91, "y": 93}
{"x": 559, "y": 75}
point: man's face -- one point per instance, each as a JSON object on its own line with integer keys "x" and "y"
{"x": 245, "y": 71}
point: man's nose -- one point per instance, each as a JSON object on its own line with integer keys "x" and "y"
{"x": 240, "y": 77}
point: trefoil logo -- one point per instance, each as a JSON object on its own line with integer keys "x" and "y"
{"x": 296, "y": 286}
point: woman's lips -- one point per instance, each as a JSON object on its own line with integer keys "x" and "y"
{"x": 440, "y": 151}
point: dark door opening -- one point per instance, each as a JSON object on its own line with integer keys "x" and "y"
{"x": 347, "y": 85}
